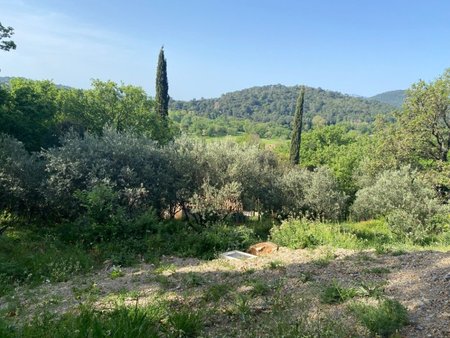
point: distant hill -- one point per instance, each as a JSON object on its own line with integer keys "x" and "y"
{"x": 276, "y": 103}
{"x": 6, "y": 79}
{"x": 394, "y": 97}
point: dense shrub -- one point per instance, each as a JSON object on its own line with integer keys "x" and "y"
{"x": 255, "y": 170}
{"x": 314, "y": 194}
{"x": 136, "y": 167}
{"x": 293, "y": 183}
{"x": 322, "y": 196}
{"x": 410, "y": 206}
{"x": 21, "y": 177}
{"x": 212, "y": 204}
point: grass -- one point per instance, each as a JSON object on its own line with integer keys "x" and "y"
{"x": 259, "y": 288}
{"x": 216, "y": 292}
{"x": 154, "y": 320}
{"x": 185, "y": 323}
{"x": 336, "y": 294}
{"x": 374, "y": 234}
{"x": 193, "y": 279}
{"x": 88, "y": 322}
{"x": 89, "y": 292}
{"x": 165, "y": 268}
{"x": 33, "y": 259}
{"x": 242, "y": 306}
{"x": 306, "y": 277}
{"x": 371, "y": 289}
{"x": 256, "y": 302}
{"x": 325, "y": 260}
{"x": 384, "y": 319}
{"x": 275, "y": 265}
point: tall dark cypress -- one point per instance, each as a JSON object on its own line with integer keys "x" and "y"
{"x": 162, "y": 87}
{"x": 294, "y": 154}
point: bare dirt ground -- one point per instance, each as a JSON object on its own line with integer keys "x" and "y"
{"x": 419, "y": 280}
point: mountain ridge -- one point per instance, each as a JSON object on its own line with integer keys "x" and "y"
{"x": 276, "y": 103}
{"x": 392, "y": 97}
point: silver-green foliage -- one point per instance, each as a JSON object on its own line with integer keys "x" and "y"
{"x": 21, "y": 175}
{"x": 142, "y": 172}
{"x": 410, "y": 206}
{"x": 312, "y": 193}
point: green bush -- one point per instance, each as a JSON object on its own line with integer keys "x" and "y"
{"x": 21, "y": 177}
{"x": 217, "y": 239}
{"x": 384, "y": 319}
{"x": 410, "y": 206}
{"x": 314, "y": 194}
{"x": 294, "y": 234}
{"x": 141, "y": 173}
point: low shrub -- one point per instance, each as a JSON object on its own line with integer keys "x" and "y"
{"x": 384, "y": 319}
{"x": 302, "y": 233}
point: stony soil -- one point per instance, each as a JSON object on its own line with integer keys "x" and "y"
{"x": 419, "y": 280}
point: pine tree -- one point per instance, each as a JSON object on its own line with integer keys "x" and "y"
{"x": 162, "y": 87}
{"x": 294, "y": 154}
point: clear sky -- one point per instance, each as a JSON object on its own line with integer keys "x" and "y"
{"x": 359, "y": 47}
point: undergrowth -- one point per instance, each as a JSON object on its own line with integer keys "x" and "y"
{"x": 383, "y": 319}
{"x": 374, "y": 234}
{"x": 154, "y": 320}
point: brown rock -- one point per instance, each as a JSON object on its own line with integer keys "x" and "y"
{"x": 264, "y": 248}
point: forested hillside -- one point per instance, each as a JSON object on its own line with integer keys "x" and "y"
{"x": 276, "y": 103}
{"x": 394, "y": 97}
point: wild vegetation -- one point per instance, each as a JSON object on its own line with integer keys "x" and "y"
{"x": 95, "y": 178}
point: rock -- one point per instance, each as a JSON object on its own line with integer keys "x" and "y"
{"x": 263, "y": 248}
{"x": 447, "y": 277}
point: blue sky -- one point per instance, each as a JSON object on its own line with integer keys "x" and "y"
{"x": 212, "y": 47}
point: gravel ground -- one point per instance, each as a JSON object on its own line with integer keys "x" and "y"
{"x": 419, "y": 280}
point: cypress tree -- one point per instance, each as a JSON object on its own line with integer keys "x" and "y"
{"x": 294, "y": 154}
{"x": 162, "y": 87}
